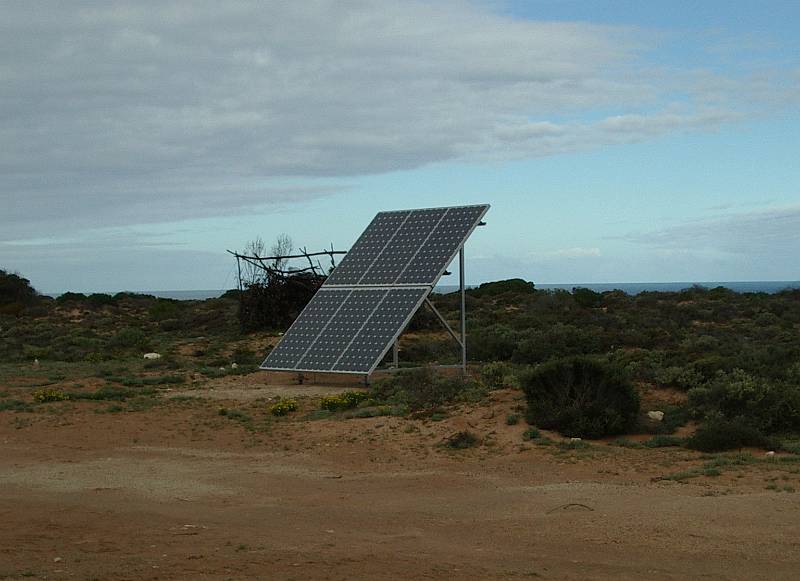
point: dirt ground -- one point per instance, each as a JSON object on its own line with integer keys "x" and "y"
{"x": 178, "y": 491}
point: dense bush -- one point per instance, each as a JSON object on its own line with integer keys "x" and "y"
{"x": 580, "y": 397}
{"x": 718, "y": 434}
{"x": 15, "y": 293}
{"x": 510, "y": 286}
{"x": 277, "y": 302}
{"x": 769, "y": 406}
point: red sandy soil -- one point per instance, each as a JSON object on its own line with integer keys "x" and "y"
{"x": 180, "y": 492}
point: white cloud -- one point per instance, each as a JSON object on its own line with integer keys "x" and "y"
{"x": 118, "y": 112}
{"x": 762, "y": 232}
{"x": 565, "y": 253}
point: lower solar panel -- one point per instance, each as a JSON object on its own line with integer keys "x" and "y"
{"x": 345, "y": 330}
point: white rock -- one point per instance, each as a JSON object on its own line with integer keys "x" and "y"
{"x": 222, "y": 369}
{"x": 656, "y": 415}
{"x": 152, "y": 355}
{"x": 770, "y": 453}
{"x": 234, "y": 365}
{"x": 36, "y": 362}
{"x": 574, "y": 439}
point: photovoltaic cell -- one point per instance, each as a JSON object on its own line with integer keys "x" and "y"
{"x": 366, "y": 302}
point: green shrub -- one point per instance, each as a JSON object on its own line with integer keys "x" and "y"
{"x": 515, "y": 286}
{"x": 343, "y": 401}
{"x": 130, "y": 338}
{"x": 663, "y": 441}
{"x": 586, "y": 297}
{"x": 282, "y": 408}
{"x": 15, "y": 290}
{"x": 245, "y": 356}
{"x": 769, "y": 406}
{"x": 512, "y": 419}
{"x": 719, "y": 434}
{"x": 15, "y": 405}
{"x": 494, "y": 374}
{"x": 100, "y": 299}
{"x": 424, "y": 389}
{"x": 70, "y": 297}
{"x": 46, "y": 395}
{"x": 580, "y": 397}
{"x": 531, "y": 434}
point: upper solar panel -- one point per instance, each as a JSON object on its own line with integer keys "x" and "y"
{"x": 410, "y": 247}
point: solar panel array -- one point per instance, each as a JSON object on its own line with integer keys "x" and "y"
{"x": 369, "y": 298}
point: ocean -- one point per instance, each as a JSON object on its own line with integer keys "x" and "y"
{"x": 631, "y": 288}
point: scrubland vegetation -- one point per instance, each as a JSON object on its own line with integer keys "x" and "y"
{"x": 583, "y": 359}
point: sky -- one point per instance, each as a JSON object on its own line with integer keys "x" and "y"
{"x": 616, "y": 141}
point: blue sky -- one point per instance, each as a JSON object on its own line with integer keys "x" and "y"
{"x": 616, "y": 141}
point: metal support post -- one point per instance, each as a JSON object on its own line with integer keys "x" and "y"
{"x": 396, "y": 352}
{"x": 463, "y": 311}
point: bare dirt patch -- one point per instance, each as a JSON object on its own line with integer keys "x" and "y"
{"x": 179, "y": 492}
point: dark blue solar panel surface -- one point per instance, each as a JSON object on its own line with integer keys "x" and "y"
{"x": 410, "y": 247}
{"x": 350, "y": 324}
{"x": 345, "y": 330}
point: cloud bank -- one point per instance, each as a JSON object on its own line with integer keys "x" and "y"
{"x": 123, "y": 113}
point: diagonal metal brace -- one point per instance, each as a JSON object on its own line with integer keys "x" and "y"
{"x": 443, "y": 322}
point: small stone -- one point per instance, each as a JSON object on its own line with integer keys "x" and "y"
{"x": 656, "y": 415}
{"x": 152, "y": 355}
{"x": 36, "y": 362}
{"x": 770, "y": 453}
{"x": 57, "y": 560}
{"x": 222, "y": 369}
{"x": 574, "y": 439}
{"x": 234, "y": 365}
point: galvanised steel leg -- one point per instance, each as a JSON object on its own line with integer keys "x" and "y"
{"x": 396, "y": 352}
{"x": 463, "y": 311}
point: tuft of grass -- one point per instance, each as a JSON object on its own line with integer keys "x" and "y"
{"x": 512, "y": 419}
{"x": 626, "y": 443}
{"x": 663, "y": 441}
{"x": 573, "y": 445}
{"x": 15, "y": 405}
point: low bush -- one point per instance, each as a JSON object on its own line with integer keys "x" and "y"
{"x": 14, "y": 405}
{"x": 531, "y": 434}
{"x": 421, "y": 389}
{"x": 46, "y": 395}
{"x": 769, "y": 406}
{"x": 494, "y": 374}
{"x": 343, "y": 401}
{"x": 719, "y": 434}
{"x": 283, "y": 407}
{"x": 462, "y": 440}
{"x": 580, "y": 397}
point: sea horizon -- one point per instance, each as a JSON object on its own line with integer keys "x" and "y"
{"x": 631, "y": 288}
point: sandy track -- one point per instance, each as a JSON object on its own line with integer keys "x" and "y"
{"x": 338, "y": 500}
